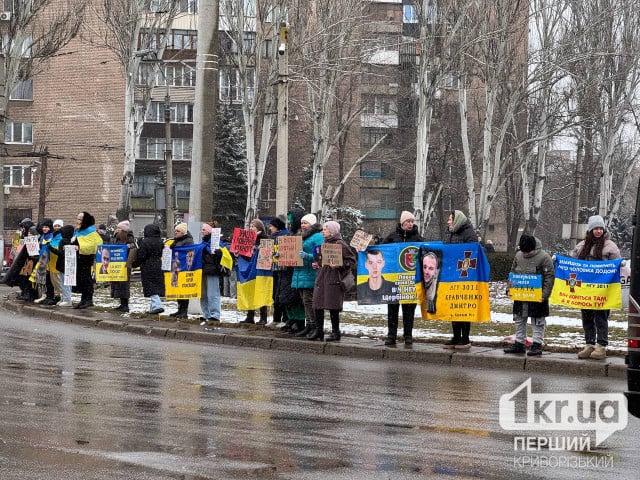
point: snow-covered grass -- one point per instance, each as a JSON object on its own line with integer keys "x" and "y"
{"x": 564, "y": 326}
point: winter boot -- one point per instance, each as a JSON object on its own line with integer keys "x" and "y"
{"x": 318, "y": 331}
{"x": 250, "y": 318}
{"x": 390, "y": 341}
{"x": 305, "y": 331}
{"x": 264, "y": 311}
{"x": 516, "y": 348}
{"x": 586, "y": 351}
{"x": 599, "y": 353}
{"x": 124, "y": 305}
{"x": 335, "y": 331}
{"x": 287, "y": 326}
{"x": 535, "y": 350}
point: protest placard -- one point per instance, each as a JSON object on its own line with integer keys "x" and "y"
{"x": 332, "y": 254}
{"x": 265, "y": 255}
{"x": 288, "y": 249}
{"x": 32, "y": 245}
{"x": 361, "y": 240}
{"x": 215, "y": 238}
{"x": 70, "y": 265}
{"x": 242, "y": 242}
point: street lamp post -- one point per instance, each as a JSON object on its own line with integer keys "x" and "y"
{"x": 282, "y": 158}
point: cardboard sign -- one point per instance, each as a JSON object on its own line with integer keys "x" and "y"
{"x": 265, "y": 255}
{"x": 361, "y": 240}
{"x": 288, "y": 249}
{"x": 242, "y": 242}
{"x": 33, "y": 248}
{"x": 215, "y": 238}
{"x": 331, "y": 254}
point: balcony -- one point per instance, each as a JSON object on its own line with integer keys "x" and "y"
{"x": 375, "y": 120}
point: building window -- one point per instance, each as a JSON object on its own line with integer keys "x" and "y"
{"x": 7, "y": 7}
{"x": 18, "y": 132}
{"x": 188, "y": 6}
{"x": 410, "y": 14}
{"x": 163, "y": 6}
{"x": 379, "y": 104}
{"x": 17, "y": 176}
{"x": 183, "y": 186}
{"x": 230, "y": 86}
{"x": 23, "y": 90}
{"x": 13, "y": 216}
{"x": 371, "y": 169}
{"x": 183, "y": 40}
{"x": 370, "y": 136}
{"x": 450, "y": 81}
{"x": 180, "y": 112}
{"x": 143, "y": 186}
{"x": 8, "y": 45}
{"x": 153, "y": 148}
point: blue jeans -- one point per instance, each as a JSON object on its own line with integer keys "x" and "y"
{"x": 155, "y": 302}
{"x": 210, "y": 301}
{"x": 65, "y": 290}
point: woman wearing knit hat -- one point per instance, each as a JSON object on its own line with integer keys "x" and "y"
{"x": 459, "y": 230}
{"x": 406, "y": 231}
{"x": 257, "y": 226}
{"x": 121, "y": 290}
{"x": 304, "y": 277}
{"x": 328, "y": 294}
{"x": 181, "y": 236}
{"x": 596, "y": 246}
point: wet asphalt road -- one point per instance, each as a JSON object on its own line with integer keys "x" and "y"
{"x": 82, "y": 403}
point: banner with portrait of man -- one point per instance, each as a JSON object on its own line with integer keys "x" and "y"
{"x": 111, "y": 263}
{"x": 386, "y": 274}
{"x": 184, "y": 280}
{"x": 452, "y": 282}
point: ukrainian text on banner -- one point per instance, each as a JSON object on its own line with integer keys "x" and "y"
{"x": 184, "y": 280}
{"x": 589, "y": 284}
{"x": 255, "y": 286}
{"x": 452, "y": 282}
{"x": 525, "y": 287}
{"x": 111, "y": 263}
{"x": 386, "y": 274}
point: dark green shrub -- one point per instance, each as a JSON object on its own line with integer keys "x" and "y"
{"x": 500, "y": 263}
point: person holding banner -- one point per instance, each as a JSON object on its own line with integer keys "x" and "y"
{"x": 459, "y": 230}
{"x": 149, "y": 259}
{"x": 596, "y": 246}
{"x": 86, "y": 240}
{"x": 66, "y": 233}
{"x": 181, "y": 237}
{"x": 531, "y": 259}
{"x": 328, "y": 293}
{"x": 283, "y": 294}
{"x": 121, "y": 290}
{"x": 406, "y": 231}
{"x": 257, "y": 226}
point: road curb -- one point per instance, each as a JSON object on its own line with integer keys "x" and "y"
{"x": 365, "y": 349}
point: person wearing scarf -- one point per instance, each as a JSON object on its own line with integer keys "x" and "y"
{"x": 86, "y": 240}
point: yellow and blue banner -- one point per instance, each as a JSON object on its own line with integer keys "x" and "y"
{"x": 386, "y": 274}
{"x": 184, "y": 280}
{"x": 111, "y": 263}
{"x": 452, "y": 282}
{"x": 525, "y": 287}
{"x": 255, "y": 286}
{"x": 588, "y": 284}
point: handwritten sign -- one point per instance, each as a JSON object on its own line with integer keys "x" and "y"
{"x": 265, "y": 255}
{"x": 242, "y": 242}
{"x": 332, "y": 254}
{"x": 215, "y": 238}
{"x": 288, "y": 249}
{"x": 70, "y": 265}
{"x": 166, "y": 259}
{"x": 32, "y": 245}
{"x": 361, "y": 240}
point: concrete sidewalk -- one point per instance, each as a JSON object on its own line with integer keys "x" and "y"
{"x": 270, "y": 337}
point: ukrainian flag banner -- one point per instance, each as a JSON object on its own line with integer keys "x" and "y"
{"x": 386, "y": 273}
{"x": 588, "y": 284}
{"x": 184, "y": 280}
{"x": 452, "y": 282}
{"x": 255, "y": 286}
{"x": 111, "y": 263}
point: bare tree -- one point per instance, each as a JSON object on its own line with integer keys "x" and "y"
{"x": 131, "y": 30}
{"x": 36, "y": 32}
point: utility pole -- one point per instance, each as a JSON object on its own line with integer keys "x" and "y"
{"x": 168, "y": 158}
{"x": 577, "y": 187}
{"x": 282, "y": 159}
{"x": 205, "y": 113}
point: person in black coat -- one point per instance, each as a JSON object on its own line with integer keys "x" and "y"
{"x": 66, "y": 232}
{"x": 121, "y": 290}
{"x": 460, "y": 230}
{"x": 406, "y": 231}
{"x": 149, "y": 259}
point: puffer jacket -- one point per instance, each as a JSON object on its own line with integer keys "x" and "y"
{"x": 399, "y": 235}
{"x": 537, "y": 262}
{"x": 305, "y": 276}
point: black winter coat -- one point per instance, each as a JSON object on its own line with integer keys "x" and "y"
{"x": 211, "y": 260}
{"x": 149, "y": 259}
{"x": 399, "y": 235}
{"x": 465, "y": 234}
{"x": 121, "y": 289}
